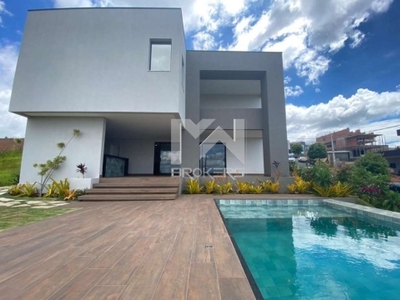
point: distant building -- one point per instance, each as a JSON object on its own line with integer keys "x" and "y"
{"x": 356, "y": 143}
{"x": 9, "y": 144}
{"x": 393, "y": 158}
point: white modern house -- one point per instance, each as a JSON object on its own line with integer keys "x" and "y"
{"x": 120, "y": 75}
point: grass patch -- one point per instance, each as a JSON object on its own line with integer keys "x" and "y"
{"x": 10, "y": 162}
{"x": 11, "y": 217}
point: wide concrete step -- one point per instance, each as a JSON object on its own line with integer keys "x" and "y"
{"x": 127, "y": 197}
{"x": 167, "y": 190}
{"x": 134, "y": 179}
{"x": 135, "y": 185}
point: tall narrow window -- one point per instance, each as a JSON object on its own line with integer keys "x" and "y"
{"x": 160, "y": 55}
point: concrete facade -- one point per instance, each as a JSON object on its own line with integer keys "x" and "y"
{"x": 91, "y": 69}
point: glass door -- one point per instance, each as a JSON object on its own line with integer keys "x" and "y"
{"x": 162, "y": 159}
{"x": 213, "y": 158}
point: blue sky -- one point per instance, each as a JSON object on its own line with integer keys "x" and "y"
{"x": 341, "y": 57}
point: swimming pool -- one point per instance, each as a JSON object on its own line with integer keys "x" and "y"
{"x": 312, "y": 251}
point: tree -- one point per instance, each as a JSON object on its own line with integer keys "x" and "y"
{"x": 317, "y": 151}
{"x": 297, "y": 148}
{"x": 374, "y": 163}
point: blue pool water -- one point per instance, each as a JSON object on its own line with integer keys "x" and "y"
{"x": 315, "y": 252}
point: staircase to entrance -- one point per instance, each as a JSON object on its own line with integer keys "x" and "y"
{"x": 133, "y": 189}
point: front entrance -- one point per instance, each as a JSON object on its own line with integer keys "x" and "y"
{"x": 213, "y": 158}
{"x": 162, "y": 158}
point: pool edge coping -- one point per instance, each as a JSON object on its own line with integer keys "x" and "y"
{"x": 365, "y": 211}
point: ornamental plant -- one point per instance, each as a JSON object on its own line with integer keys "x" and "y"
{"x": 81, "y": 168}
{"x": 47, "y": 169}
{"x": 193, "y": 186}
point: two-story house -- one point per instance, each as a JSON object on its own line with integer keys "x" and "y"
{"x": 120, "y": 75}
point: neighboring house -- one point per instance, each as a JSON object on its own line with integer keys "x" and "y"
{"x": 393, "y": 158}
{"x": 355, "y": 143}
{"x": 120, "y": 75}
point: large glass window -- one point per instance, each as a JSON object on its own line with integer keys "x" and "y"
{"x": 160, "y": 55}
{"x": 213, "y": 158}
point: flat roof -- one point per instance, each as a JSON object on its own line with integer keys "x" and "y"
{"x": 114, "y": 7}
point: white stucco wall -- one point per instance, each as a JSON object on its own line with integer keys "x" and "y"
{"x": 40, "y": 145}
{"x": 254, "y": 163}
{"x": 95, "y": 60}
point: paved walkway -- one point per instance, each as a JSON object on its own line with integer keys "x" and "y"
{"x": 19, "y": 202}
{"x": 124, "y": 250}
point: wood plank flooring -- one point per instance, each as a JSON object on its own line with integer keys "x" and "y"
{"x": 124, "y": 250}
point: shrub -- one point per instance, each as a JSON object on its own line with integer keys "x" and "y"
{"x": 323, "y": 191}
{"x": 70, "y": 195}
{"x": 343, "y": 174}
{"x": 299, "y": 186}
{"x": 319, "y": 174}
{"x": 337, "y": 190}
{"x": 255, "y": 189}
{"x": 392, "y": 201}
{"x": 292, "y": 188}
{"x": 342, "y": 189}
{"x": 52, "y": 190}
{"x": 15, "y": 190}
{"x": 193, "y": 186}
{"x": 242, "y": 187}
{"x": 224, "y": 188}
{"x": 29, "y": 190}
{"x": 374, "y": 163}
{"x": 270, "y": 187}
{"x": 361, "y": 178}
{"x": 210, "y": 186}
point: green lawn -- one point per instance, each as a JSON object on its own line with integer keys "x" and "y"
{"x": 10, "y": 164}
{"x": 17, "y": 216}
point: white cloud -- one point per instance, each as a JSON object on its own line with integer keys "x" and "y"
{"x": 293, "y": 91}
{"x": 10, "y": 125}
{"x": 3, "y": 11}
{"x": 307, "y": 31}
{"x": 74, "y": 3}
{"x": 203, "y": 41}
{"x": 365, "y": 110}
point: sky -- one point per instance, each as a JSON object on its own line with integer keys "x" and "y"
{"x": 341, "y": 57}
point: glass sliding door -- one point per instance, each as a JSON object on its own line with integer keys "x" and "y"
{"x": 213, "y": 158}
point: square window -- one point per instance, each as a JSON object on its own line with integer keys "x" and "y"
{"x": 160, "y": 55}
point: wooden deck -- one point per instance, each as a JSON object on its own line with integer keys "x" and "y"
{"x": 124, "y": 250}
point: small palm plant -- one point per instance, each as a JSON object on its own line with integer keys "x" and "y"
{"x": 81, "y": 168}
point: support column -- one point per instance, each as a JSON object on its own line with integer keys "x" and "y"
{"x": 274, "y": 122}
